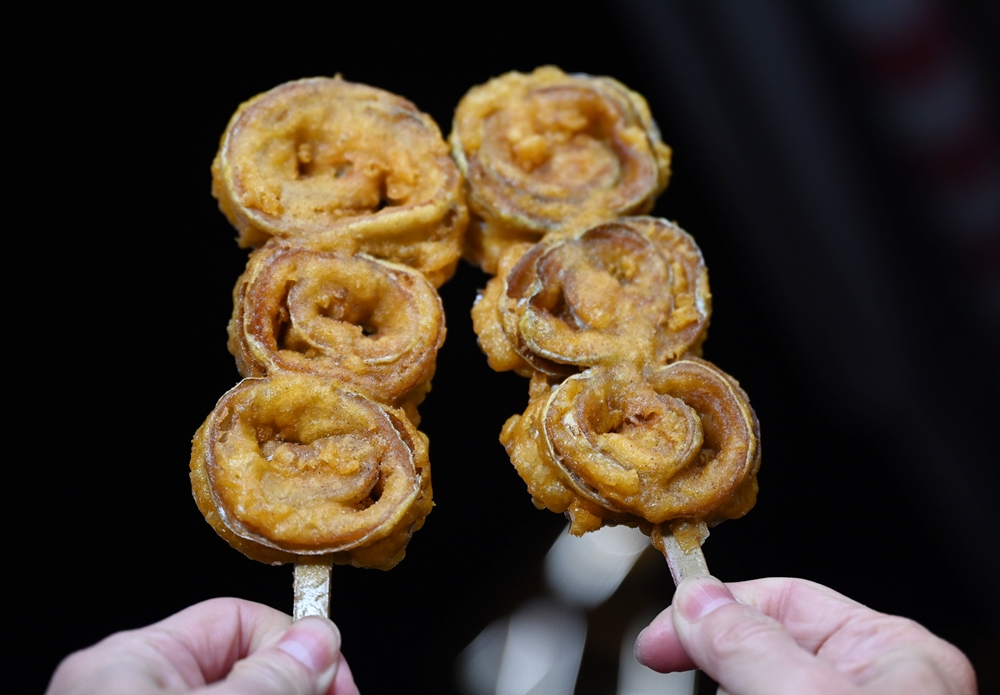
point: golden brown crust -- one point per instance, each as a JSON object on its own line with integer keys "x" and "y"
{"x": 292, "y": 465}
{"x": 604, "y": 309}
{"x": 370, "y": 324}
{"x": 632, "y": 290}
{"x": 547, "y": 151}
{"x": 357, "y": 212}
{"x": 675, "y": 442}
{"x": 347, "y": 167}
{"x": 500, "y": 353}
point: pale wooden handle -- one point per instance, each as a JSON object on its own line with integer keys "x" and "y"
{"x": 682, "y": 564}
{"x": 312, "y": 587}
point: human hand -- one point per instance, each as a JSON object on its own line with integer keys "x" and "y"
{"x": 790, "y": 636}
{"x": 219, "y": 647}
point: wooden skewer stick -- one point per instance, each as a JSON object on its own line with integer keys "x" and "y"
{"x": 683, "y": 563}
{"x": 312, "y": 587}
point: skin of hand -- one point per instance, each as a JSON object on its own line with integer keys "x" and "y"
{"x": 784, "y": 636}
{"x": 223, "y": 646}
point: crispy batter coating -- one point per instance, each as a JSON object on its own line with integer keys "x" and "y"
{"x": 633, "y": 290}
{"x": 548, "y": 151}
{"x": 370, "y": 324}
{"x": 347, "y": 167}
{"x": 357, "y": 213}
{"x": 604, "y": 309}
{"x": 675, "y": 442}
{"x": 493, "y": 341}
{"x": 294, "y": 465}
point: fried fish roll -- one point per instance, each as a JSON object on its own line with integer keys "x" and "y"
{"x": 632, "y": 290}
{"x": 346, "y": 167}
{"x": 373, "y": 325}
{"x": 679, "y": 442}
{"x": 548, "y": 151}
{"x": 292, "y": 465}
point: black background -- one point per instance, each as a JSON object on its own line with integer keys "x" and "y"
{"x": 123, "y": 269}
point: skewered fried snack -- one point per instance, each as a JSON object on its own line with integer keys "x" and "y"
{"x": 373, "y": 325}
{"x": 631, "y": 290}
{"x": 549, "y": 151}
{"x": 358, "y": 214}
{"x": 647, "y": 433}
{"x": 347, "y": 167}
{"x": 638, "y": 447}
{"x": 293, "y": 465}
{"x": 605, "y": 311}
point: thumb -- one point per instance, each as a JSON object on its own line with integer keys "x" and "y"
{"x": 745, "y": 651}
{"x": 303, "y": 661}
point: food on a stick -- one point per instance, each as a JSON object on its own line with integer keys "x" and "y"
{"x": 357, "y": 213}
{"x": 604, "y": 309}
{"x": 638, "y": 446}
{"x": 294, "y": 464}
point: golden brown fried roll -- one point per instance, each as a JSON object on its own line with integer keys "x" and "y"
{"x": 347, "y": 167}
{"x": 370, "y": 324}
{"x": 633, "y": 290}
{"x": 549, "y": 151}
{"x": 293, "y": 465}
{"x": 676, "y": 442}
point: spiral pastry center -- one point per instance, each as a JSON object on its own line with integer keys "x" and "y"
{"x": 374, "y": 325}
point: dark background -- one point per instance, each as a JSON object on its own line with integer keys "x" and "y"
{"x": 856, "y": 305}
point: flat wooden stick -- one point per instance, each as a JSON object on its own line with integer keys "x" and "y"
{"x": 683, "y": 563}
{"x": 312, "y": 587}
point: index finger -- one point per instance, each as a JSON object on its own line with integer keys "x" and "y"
{"x": 192, "y": 648}
{"x": 204, "y": 641}
{"x": 810, "y": 612}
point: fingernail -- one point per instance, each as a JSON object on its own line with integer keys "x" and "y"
{"x": 699, "y": 596}
{"x": 312, "y": 642}
{"x": 637, "y": 650}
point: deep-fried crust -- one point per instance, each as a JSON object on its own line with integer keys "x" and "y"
{"x": 632, "y": 290}
{"x": 291, "y": 465}
{"x": 548, "y": 151}
{"x": 347, "y": 167}
{"x": 373, "y": 325}
{"x": 677, "y": 442}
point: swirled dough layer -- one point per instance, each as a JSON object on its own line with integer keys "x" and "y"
{"x": 547, "y": 151}
{"x": 292, "y": 465}
{"x": 370, "y": 324}
{"x": 676, "y": 442}
{"x": 347, "y": 167}
{"x": 634, "y": 290}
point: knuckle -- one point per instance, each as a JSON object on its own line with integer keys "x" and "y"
{"x": 70, "y": 670}
{"x": 918, "y": 645}
{"x": 897, "y": 630}
{"x": 90, "y": 665}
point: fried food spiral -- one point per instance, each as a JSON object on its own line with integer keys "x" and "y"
{"x": 346, "y": 166}
{"x": 367, "y": 323}
{"x": 675, "y": 442}
{"x": 632, "y": 290}
{"x": 548, "y": 151}
{"x": 294, "y": 465}
{"x": 357, "y": 214}
{"x": 604, "y": 309}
